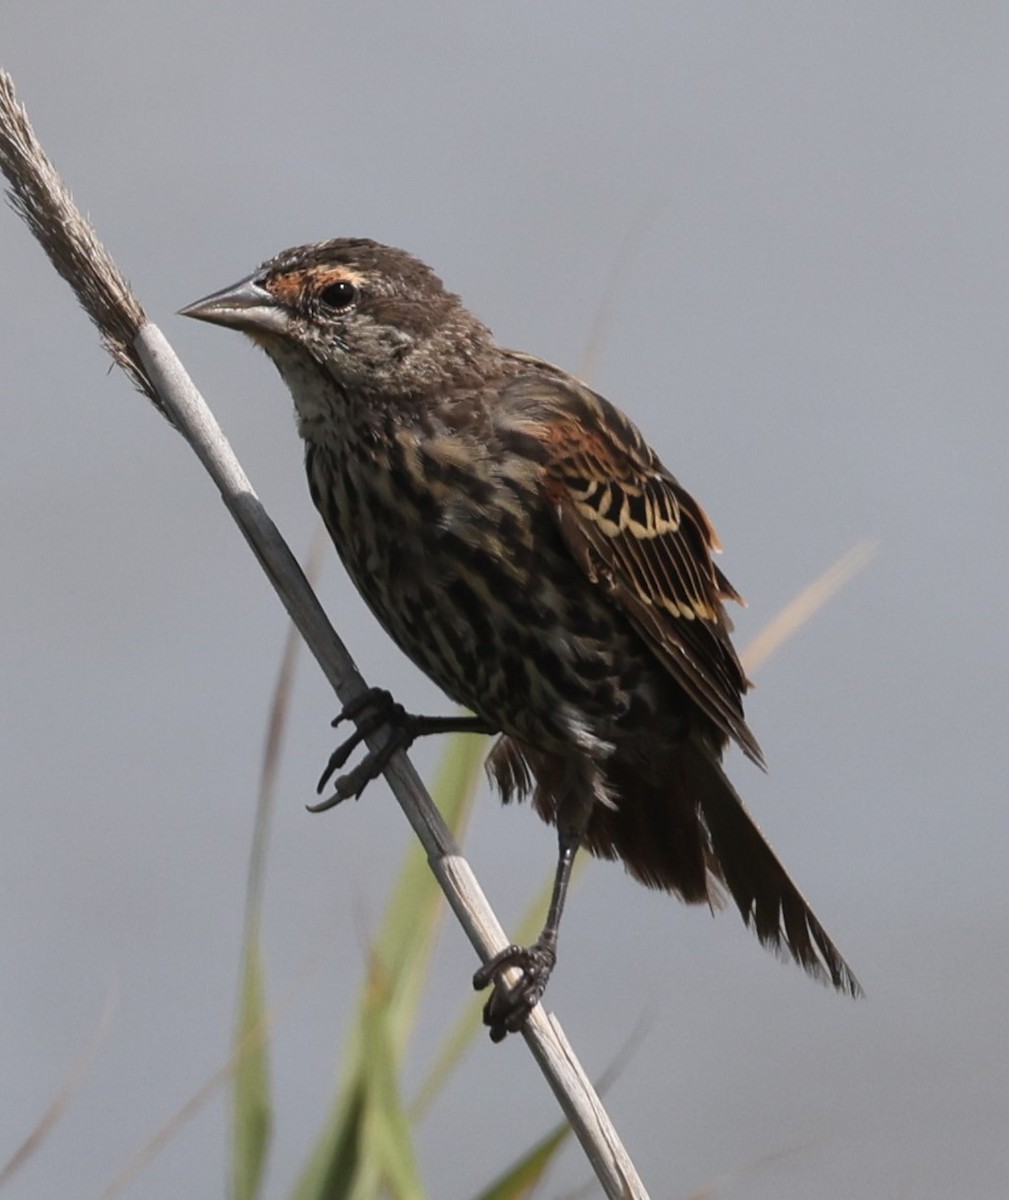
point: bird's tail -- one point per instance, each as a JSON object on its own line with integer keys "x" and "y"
{"x": 684, "y": 829}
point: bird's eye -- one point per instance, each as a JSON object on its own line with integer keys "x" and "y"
{"x": 339, "y": 296}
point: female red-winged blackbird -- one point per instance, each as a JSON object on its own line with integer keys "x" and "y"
{"x": 517, "y": 537}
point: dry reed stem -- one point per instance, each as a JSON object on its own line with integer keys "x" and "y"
{"x": 41, "y": 198}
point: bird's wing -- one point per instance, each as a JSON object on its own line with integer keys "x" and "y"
{"x": 637, "y": 534}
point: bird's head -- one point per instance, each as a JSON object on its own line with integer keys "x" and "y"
{"x": 376, "y": 319}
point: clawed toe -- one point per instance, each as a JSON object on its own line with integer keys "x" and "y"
{"x": 509, "y": 1006}
{"x": 373, "y": 710}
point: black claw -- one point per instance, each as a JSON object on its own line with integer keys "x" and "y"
{"x": 339, "y": 757}
{"x": 383, "y": 711}
{"x": 374, "y": 709}
{"x": 351, "y": 785}
{"x": 508, "y": 1007}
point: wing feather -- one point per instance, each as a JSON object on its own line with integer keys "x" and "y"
{"x": 638, "y": 534}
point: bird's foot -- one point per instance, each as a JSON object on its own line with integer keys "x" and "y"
{"x": 509, "y": 1006}
{"x": 373, "y": 711}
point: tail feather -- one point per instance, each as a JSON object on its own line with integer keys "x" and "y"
{"x": 768, "y": 900}
{"x": 684, "y": 829}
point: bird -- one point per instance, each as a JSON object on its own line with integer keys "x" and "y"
{"x": 522, "y": 543}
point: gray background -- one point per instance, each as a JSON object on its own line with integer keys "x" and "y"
{"x": 808, "y": 204}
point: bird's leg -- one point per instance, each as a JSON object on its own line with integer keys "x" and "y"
{"x": 509, "y": 1006}
{"x": 373, "y": 710}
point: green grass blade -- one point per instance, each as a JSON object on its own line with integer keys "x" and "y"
{"x": 520, "y": 1179}
{"x": 386, "y": 1127}
{"x": 251, "y": 1110}
{"x": 334, "y": 1168}
{"x": 365, "y": 1122}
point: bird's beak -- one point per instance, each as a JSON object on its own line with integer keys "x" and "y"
{"x": 246, "y": 305}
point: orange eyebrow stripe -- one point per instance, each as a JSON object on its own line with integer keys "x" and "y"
{"x": 287, "y": 288}
{"x": 323, "y": 276}
{"x": 292, "y": 285}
